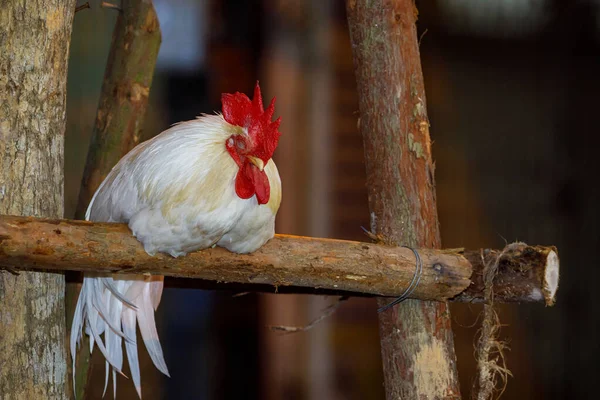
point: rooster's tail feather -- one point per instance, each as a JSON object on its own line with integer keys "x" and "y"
{"x": 128, "y": 319}
{"x": 145, "y": 316}
{"x": 112, "y": 307}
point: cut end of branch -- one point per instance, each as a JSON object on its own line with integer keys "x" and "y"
{"x": 551, "y": 277}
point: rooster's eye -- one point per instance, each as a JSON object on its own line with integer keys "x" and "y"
{"x": 240, "y": 144}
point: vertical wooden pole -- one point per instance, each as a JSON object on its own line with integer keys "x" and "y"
{"x": 34, "y": 49}
{"x": 416, "y": 337}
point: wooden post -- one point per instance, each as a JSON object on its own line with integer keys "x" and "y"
{"x": 34, "y": 51}
{"x": 416, "y": 337}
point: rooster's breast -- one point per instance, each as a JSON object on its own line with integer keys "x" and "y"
{"x": 256, "y": 225}
{"x": 193, "y": 215}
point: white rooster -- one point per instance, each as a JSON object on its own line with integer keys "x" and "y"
{"x": 210, "y": 181}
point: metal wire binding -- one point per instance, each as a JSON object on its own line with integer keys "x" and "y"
{"x": 413, "y": 284}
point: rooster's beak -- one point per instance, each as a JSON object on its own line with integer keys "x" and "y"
{"x": 258, "y": 162}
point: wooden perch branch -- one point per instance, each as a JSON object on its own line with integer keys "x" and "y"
{"x": 298, "y": 262}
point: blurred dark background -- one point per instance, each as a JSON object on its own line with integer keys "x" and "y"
{"x": 512, "y": 93}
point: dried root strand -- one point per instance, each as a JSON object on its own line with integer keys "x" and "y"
{"x": 492, "y": 372}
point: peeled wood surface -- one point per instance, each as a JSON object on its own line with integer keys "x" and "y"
{"x": 34, "y": 49}
{"x": 303, "y": 263}
{"x": 417, "y": 344}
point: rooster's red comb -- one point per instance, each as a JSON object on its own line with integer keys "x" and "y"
{"x": 239, "y": 110}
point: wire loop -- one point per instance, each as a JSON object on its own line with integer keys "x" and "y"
{"x": 413, "y": 284}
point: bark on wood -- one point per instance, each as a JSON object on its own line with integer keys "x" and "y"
{"x": 416, "y": 337}
{"x": 119, "y": 122}
{"x": 34, "y": 48}
{"x": 354, "y": 268}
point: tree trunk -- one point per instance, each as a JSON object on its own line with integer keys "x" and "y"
{"x": 34, "y": 49}
{"x": 416, "y": 337}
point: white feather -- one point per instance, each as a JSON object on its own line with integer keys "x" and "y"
{"x": 129, "y": 320}
{"x": 113, "y": 340}
{"x": 156, "y": 288}
{"x": 177, "y": 193}
{"x": 147, "y": 325}
{"x": 108, "y": 282}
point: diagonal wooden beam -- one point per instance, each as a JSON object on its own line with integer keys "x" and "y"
{"x": 297, "y": 263}
{"x": 124, "y": 98}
